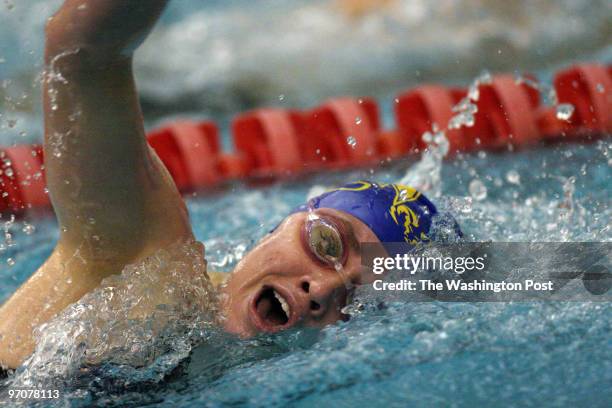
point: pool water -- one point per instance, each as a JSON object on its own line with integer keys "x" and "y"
{"x": 391, "y": 352}
{"x": 420, "y": 354}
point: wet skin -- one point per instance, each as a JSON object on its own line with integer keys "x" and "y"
{"x": 281, "y": 269}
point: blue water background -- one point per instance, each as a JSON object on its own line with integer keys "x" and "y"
{"x": 407, "y": 354}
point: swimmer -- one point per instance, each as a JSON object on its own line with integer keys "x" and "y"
{"x": 116, "y": 203}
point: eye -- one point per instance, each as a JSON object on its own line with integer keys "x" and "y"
{"x": 325, "y": 242}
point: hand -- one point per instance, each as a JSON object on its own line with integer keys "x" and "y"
{"x": 104, "y": 29}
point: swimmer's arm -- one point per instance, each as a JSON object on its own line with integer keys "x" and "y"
{"x": 113, "y": 198}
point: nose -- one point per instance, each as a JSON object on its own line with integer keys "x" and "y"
{"x": 323, "y": 292}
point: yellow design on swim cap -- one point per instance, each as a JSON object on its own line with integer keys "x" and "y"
{"x": 361, "y": 185}
{"x": 403, "y": 195}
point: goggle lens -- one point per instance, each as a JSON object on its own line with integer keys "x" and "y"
{"x": 325, "y": 241}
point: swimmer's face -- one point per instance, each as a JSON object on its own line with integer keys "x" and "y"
{"x": 300, "y": 275}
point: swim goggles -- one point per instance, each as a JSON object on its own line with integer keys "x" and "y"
{"x": 324, "y": 240}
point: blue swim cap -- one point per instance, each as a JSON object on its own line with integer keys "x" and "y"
{"x": 394, "y": 212}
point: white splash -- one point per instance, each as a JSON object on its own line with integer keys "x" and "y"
{"x": 153, "y": 310}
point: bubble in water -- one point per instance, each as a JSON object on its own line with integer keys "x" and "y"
{"x": 600, "y": 88}
{"x": 9, "y": 172}
{"x": 358, "y": 120}
{"x": 565, "y": 111}
{"x": 477, "y": 189}
{"x": 11, "y": 123}
{"x": 513, "y": 177}
{"x": 28, "y": 229}
{"x": 569, "y": 186}
{"x": 10, "y": 262}
{"x": 351, "y": 141}
{"x": 281, "y": 97}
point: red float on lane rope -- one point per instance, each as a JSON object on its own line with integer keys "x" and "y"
{"x": 341, "y": 132}
{"x": 549, "y": 126}
{"x": 232, "y": 166}
{"x": 189, "y": 150}
{"x": 418, "y": 110}
{"x": 22, "y": 180}
{"x": 589, "y": 89}
{"x": 510, "y": 110}
{"x": 267, "y": 139}
{"x": 346, "y": 132}
{"x": 391, "y": 144}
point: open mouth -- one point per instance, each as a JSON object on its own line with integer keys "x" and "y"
{"x": 272, "y": 309}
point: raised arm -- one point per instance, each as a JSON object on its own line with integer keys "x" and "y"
{"x": 109, "y": 190}
{"x": 114, "y": 200}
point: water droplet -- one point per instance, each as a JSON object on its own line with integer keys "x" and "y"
{"x": 463, "y": 119}
{"x": 565, "y": 111}
{"x": 28, "y": 229}
{"x": 9, "y": 172}
{"x": 474, "y": 92}
{"x": 351, "y": 141}
{"x": 485, "y": 77}
{"x": 318, "y": 151}
{"x": 358, "y": 120}
{"x": 10, "y": 262}
{"x": 513, "y": 177}
{"x": 600, "y": 88}
{"x": 477, "y": 189}
{"x": 281, "y": 97}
